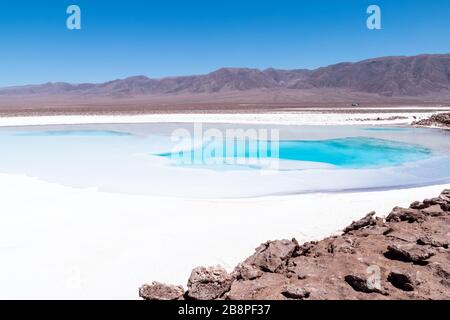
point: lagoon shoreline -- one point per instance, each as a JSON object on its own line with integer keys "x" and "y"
{"x": 304, "y": 116}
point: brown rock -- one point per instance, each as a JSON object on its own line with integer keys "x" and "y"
{"x": 272, "y": 255}
{"x": 402, "y": 214}
{"x": 341, "y": 245}
{"x": 438, "y": 120}
{"x": 208, "y": 283}
{"x": 445, "y": 205}
{"x": 442, "y": 273}
{"x": 438, "y": 200}
{"x": 304, "y": 249}
{"x": 418, "y": 205}
{"x": 403, "y": 281}
{"x": 368, "y": 220}
{"x": 434, "y": 210}
{"x": 360, "y": 284}
{"x": 445, "y": 195}
{"x": 268, "y": 286}
{"x": 295, "y": 292}
{"x": 160, "y": 291}
{"x": 401, "y": 234}
{"x": 409, "y": 253}
{"x": 431, "y": 241}
{"x": 305, "y": 267}
{"x": 246, "y": 272}
{"x": 320, "y": 270}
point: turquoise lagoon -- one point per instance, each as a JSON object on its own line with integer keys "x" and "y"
{"x": 355, "y": 152}
{"x": 144, "y": 159}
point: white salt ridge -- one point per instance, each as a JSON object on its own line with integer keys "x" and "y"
{"x": 304, "y": 117}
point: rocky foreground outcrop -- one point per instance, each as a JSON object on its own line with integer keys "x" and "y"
{"x": 441, "y": 120}
{"x": 404, "y": 256}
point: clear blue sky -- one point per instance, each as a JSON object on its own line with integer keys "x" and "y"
{"x": 181, "y": 37}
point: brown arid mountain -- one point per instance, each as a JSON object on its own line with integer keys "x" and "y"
{"x": 423, "y": 79}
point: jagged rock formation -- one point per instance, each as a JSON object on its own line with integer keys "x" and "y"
{"x": 405, "y": 256}
{"x": 208, "y": 283}
{"x": 441, "y": 120}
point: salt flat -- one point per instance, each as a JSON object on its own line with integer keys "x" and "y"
{"x": 59, "y": 242}
{"x": 62, "y": 242}
{"x": 377, "y": 116}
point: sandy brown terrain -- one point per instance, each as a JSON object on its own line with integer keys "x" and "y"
{"x": 67, "y": 106}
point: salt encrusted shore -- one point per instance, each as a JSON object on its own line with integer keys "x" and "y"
{"x": 402, "y": 256}
{"x": 331, "y": 116}
{"x": 439, "y": 120}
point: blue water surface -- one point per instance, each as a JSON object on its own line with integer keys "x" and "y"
{"x": 140, "y": 159}
{"x": 352, "y": 152}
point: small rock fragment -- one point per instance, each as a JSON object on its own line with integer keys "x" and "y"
{"x": 161, "y": 291}
{"x": 246, "y": 272}
{"x": 368, "y": 220}
{"x": 295, "y": 292}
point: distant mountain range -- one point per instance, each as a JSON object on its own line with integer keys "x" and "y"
{"x": 386, "y": 77}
